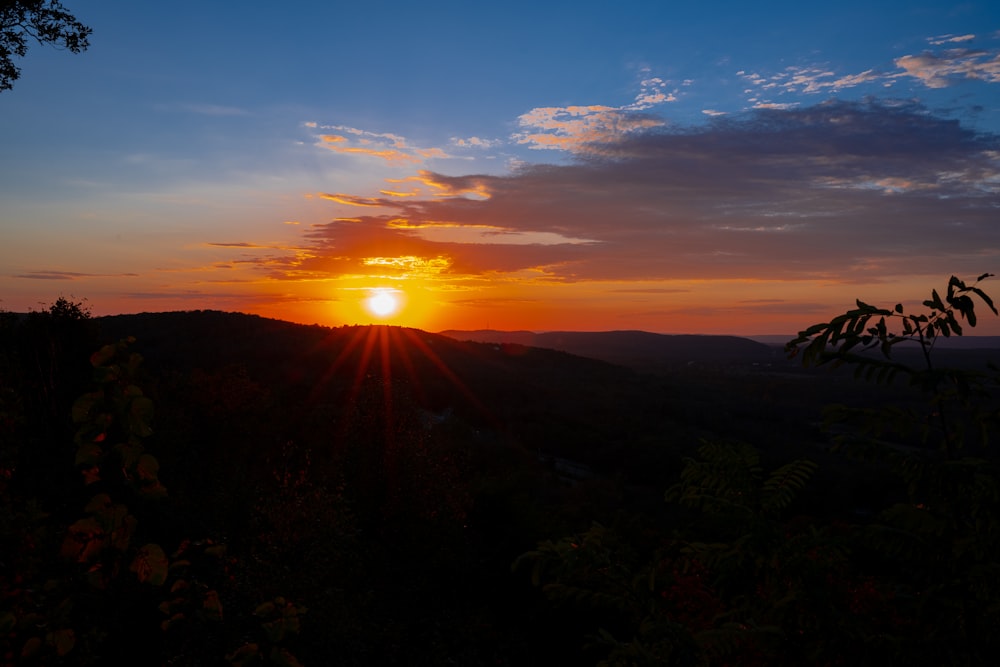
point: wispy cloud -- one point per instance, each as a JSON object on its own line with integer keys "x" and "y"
{"x": 933, "y": 68}
{"x": 391, "y": 148}
{"x": 69, "y": 275}
{"x": 838, "y": 191}
{"x": 202, "y": 109}
{"x": 950, "y": 39}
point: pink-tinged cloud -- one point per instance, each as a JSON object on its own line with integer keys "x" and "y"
{"x": 839, "y": 191}
{"x": 579, "y": 128}
{"x": 947, "y": 68}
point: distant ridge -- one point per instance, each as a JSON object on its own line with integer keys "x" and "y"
{"x": 635, "y": 349}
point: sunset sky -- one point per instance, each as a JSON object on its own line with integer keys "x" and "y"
{"x": 689, "y": 167}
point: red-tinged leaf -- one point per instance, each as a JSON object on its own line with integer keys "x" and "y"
{"x": 62, "y": 641}
{"x": 264, "y": 609}
{"x": 31, "y": 647}
{"x": 84, "y": 541}
{"x": 122, "y": 535}
{"x": 212, "y": 606}
{"x": 150, "y": 565}
{"x": 98, "y": 503}
{"x": 88, "y": 455}
{"x": 91, "y": 474}
{"x": 173, "y": 620}
{"x": 147, "y": 467}
{"x": 153, "y": 490}
{"x": 103, "y": 355}
{"x": 282, "y": 656}
{"x": 244, "y": 655}
{"x": 218, "y": 550}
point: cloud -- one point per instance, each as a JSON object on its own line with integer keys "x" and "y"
{"x": 475, "y": 142}
{"x": 775, "y": 105}
{"x": 812, "y": 80}
{"x": 70, "y": 275}
{"x": 391, "y": 148}
{"x": 950, "y": 39}
{"x": 839, "y": 191}
{"x": 947, "y": 68}
{"x": 580, "y": 128}
{"x": 238, "y": 244}
{"x": 933, "y": 68}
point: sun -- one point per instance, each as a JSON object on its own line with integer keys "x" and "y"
{"x": 383, "y": 302}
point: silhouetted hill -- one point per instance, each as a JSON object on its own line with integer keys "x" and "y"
{"x": 636, "y": 349}
{"x": 543, "y": 398}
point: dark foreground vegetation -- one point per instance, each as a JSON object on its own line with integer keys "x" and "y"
{"x": 205, "y": 488}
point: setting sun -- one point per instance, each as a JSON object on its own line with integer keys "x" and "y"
{"x": 383, "y": 302}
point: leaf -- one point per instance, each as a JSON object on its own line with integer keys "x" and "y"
{"x": 153, "y": 489}
{"x": 103, "y": 355}
{"x": 7, "y": 623}
{"x": 150, "y": 565}
{"x": 212, "y": 606}
{"x": 140, "y": 416}
{"x": 84, "y": 541}
{"x": 62, "y": 640}
{"x": 98, "y": 503}
{"x": 264, "y": 609}
{"x": 83, "y": 406}
{"x": 172, "y": 621}
{"x": 936, "y": 301}
{"x": 130, "y": 453}
{"x": 783, "y": 484}
{"x": 31, "y": 647}
{"x": 244, "y": 655}
{"x": 282, "y": 656}
{"x": 986, "y": 299}
{"x": 147, "y": 467}
{"x": 88, "y": 454}
{"x": 122, "y": 535}
{"x": 105, "y": 374}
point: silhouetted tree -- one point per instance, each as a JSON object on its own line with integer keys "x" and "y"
{"x": 46, "y": 22}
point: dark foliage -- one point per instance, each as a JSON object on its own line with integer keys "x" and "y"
{"x": 227, "y": 489}
{"x": 42, "y": 21}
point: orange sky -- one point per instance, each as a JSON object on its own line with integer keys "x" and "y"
{"x": 719, "y": 181}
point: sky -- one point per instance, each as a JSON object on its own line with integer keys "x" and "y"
{"x": 715, "y": 167}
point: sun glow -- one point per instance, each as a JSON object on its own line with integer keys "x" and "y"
{"x": 383, "y": 302}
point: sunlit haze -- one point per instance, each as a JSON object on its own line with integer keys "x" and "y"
{"x": 676, "y": 168}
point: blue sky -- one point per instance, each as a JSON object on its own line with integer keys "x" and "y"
{"x": 719, "y": 167}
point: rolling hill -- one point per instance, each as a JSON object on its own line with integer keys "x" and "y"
{"x": 639, "y": 350}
